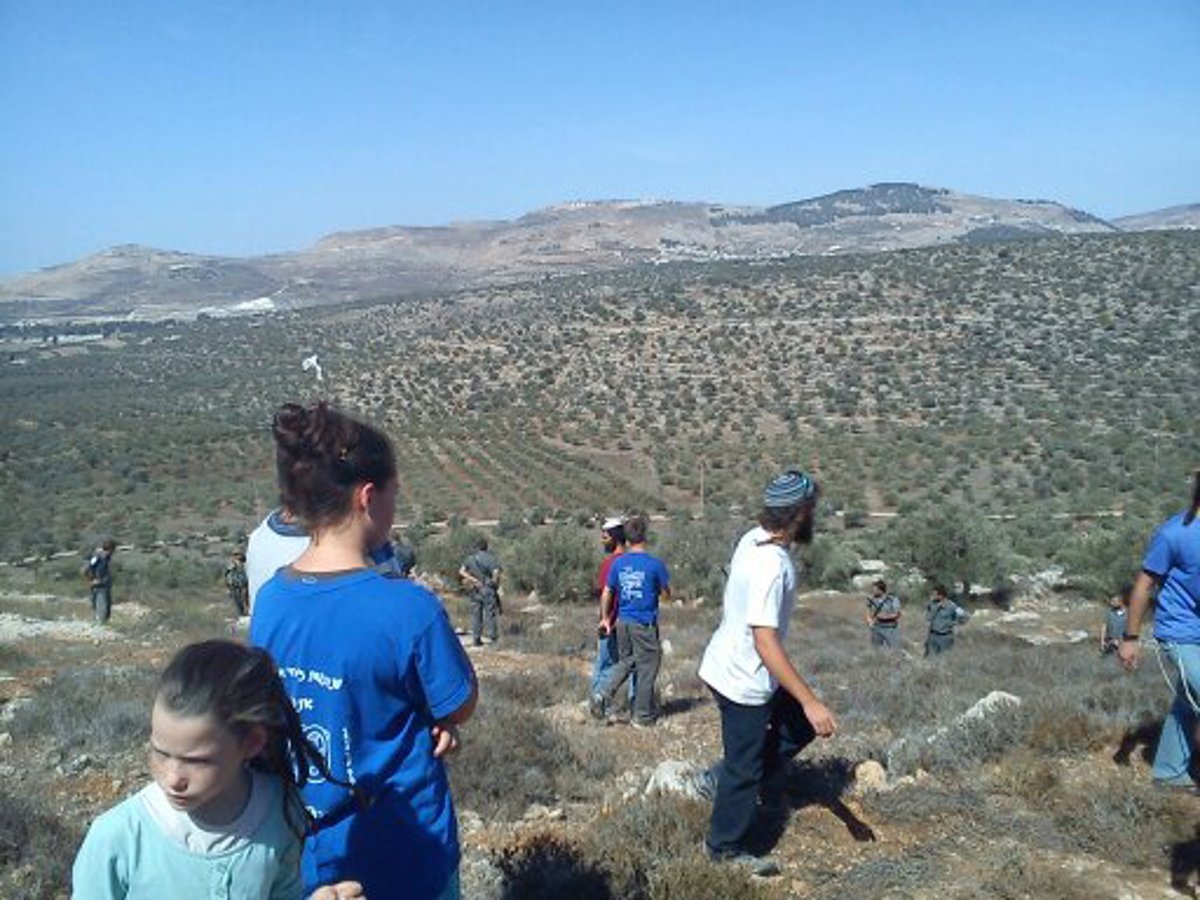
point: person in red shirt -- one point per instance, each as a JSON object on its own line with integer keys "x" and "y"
{"x": 612, "y": 536}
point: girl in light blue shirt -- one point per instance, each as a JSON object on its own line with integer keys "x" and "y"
{"x": 222, "y": 817}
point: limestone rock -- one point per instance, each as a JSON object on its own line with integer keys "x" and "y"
{"x": 673, "y": 776}
{"x": 869, "y": 777}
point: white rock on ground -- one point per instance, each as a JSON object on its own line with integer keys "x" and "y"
{"x": 982, "y": 708}
{"x": 673, "y": 776}
{"x": 1019, "y": 616}
{"x": 992, "y": 704}
{"x": 869, "y": 777}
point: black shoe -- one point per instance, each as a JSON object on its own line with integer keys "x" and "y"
{"x": 596, "y": 706}
{"x": 705, "y": 784}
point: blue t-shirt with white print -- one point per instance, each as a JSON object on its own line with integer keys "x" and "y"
{"x": 1173, "y": 556}
{"x": 370, "y": 663}
{"x": 638, "y": 579}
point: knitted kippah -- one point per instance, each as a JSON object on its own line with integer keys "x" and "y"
{"x": 612, "y": 522}
{"x": 789, "y": 489}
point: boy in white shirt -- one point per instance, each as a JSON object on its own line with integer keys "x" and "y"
{"x": 768, "y": 713}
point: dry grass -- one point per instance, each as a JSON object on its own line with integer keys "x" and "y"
{"x": 34, "y": 862}
{"x": 1062, "y": 776}
{"x": 92, "y": 709}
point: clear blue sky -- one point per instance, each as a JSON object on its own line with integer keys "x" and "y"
{"x": 254, "y": 126}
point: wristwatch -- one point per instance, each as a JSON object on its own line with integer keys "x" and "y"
{"x": 1131, "y": 637}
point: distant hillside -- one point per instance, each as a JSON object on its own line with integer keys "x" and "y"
{"x": 1187, "y": 216}
{"x": 131, "y": 280}
{"x": 572, "y": 238}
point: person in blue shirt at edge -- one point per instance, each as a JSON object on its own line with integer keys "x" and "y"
{"x": 372, "y": 664}
{"x": 1172, "y": 565}
{"x": 640, "y": 582}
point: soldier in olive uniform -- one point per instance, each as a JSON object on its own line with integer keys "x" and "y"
{"x": 238, "y": 584}
{"x": 883, "y": 615}
{"x": 1114, "y": 622}
{"x": 943, "y": 615}
{"x": 480, "y": 572}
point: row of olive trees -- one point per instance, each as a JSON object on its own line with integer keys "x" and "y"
{"x": 954, "y": 544}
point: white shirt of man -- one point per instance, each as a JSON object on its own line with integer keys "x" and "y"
{"x": 760, "y": 591}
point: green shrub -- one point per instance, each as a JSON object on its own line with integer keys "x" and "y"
{"x": 511, "y": 525}
{"x": 512, "y": 757}
{"x": 546, "y": 865}
{"x": 559, "y": 562}
{"x": 1105, "y": 557}
{"x": 832, "y": 562}
{"x": 952, "y": 543}
{"x": 444, "y": 554}
{"x": 697, "y": 552}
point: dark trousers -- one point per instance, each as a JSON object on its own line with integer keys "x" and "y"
{"x": 885, "y": 635}
{"x": 240, "y": 598}
{"x": 757, "y": 741}
{"x": 638, "y": 651}
{"x": 483, "y": 614}
{"x": 101, "y": 602}
{"x": 938, "y": 643}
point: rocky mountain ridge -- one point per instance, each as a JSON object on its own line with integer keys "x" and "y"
{"x": 131, "y": 281}
{"x": 1186, "y": 217}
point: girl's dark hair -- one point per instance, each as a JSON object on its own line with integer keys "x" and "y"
{"x": 778, "y": 518}
{"x": 239, "y": 687}
{"x": 1195, "y": 507}
{"x": 321, "y": 456}
{"x": 636, "y": 528}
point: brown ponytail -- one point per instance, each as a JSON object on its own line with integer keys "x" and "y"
{"x": 321, "y": 455}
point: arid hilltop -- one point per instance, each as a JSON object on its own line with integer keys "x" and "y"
{"x": 132, "y": 281}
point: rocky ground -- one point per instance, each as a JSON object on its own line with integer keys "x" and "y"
{"x": 856, "y": 820}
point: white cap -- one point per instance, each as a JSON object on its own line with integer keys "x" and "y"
{"x": 612, "y": 522}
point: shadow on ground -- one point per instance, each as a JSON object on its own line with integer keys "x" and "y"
{"x": 820, "y": 783}
{"x": 677, "y": 705}
{"x": 1185, "y": 864}
{"x": 1142, "y": 739}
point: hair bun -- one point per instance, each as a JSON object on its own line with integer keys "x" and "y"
{"x": 320, "y": 453}
{"x": 306, "y": 432}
